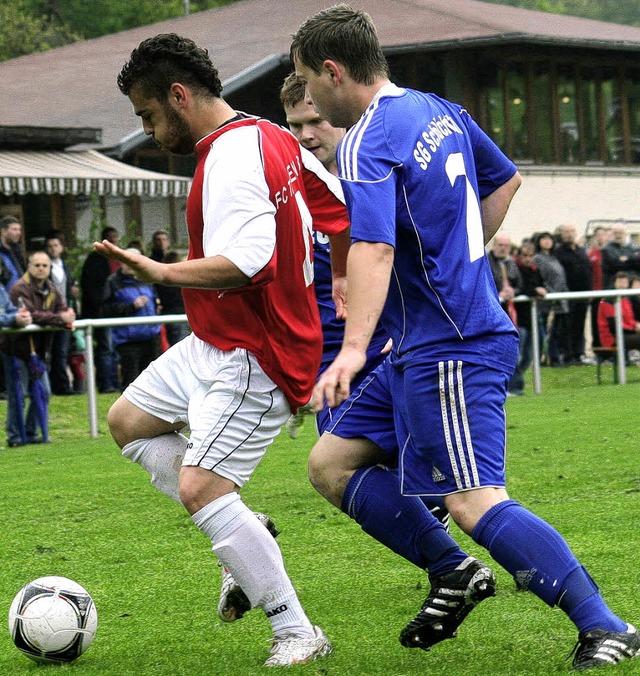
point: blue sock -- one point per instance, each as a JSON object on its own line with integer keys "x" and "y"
{"x": 403, "y": 524}
{"x": 540, "y": 560}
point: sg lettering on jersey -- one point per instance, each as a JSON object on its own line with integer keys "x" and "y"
{"x": 293, "y": 170}
{"x": 437, "y": 130}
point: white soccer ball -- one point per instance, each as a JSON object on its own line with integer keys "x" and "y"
{"x": 53, "y": 620}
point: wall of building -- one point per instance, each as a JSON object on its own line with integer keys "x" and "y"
{"x": 156, "y": 215}
{"x": 551, "y": 197}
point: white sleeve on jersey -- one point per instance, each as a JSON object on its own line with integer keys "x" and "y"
{"x": 239, "y": 217}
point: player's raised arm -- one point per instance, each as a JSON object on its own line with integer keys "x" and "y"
{"x": 214, "y": 272}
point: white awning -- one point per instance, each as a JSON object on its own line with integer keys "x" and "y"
{"x": 82, "y": 172}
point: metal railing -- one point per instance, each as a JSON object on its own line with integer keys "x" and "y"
{"x": 88, "y": 325}
{"x": 616, "y": 294}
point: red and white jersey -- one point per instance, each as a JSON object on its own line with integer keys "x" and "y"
{"x": 255, "y": 202}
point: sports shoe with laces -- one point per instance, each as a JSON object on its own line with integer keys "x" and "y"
{"x": 452, "y": 597}
{"x": 599, "y": 648}
{"x": 288, "y": 650}
{"x": 233, "y": 603}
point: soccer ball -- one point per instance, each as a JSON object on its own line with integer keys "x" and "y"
{"x": 53, "y": 620}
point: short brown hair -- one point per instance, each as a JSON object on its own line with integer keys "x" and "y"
{"x": 342, "y": 34}
{"x": 6, "y": 221}
{"x": 292, "y": 91}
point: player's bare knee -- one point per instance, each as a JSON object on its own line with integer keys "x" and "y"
{"x": 319, "y": 467}
{"x": 199, "y": 487}
{"x": 118, "y": 423}
{"x": 468, "y": 507}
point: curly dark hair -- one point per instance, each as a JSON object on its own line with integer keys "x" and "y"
{"x": 156, "y": 63}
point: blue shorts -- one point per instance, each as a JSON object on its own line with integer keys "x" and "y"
{"x": 454, "y": 414}
{"x": 367, "y": 413}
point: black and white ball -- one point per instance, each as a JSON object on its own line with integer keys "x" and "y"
{"x": 53, "y": 620}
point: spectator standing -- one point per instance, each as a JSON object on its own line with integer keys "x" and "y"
{"x": 94, "y": 275}
{"x": 532, "y": 286}
{"x": 577, "y": 268}
{"x": 607, "y": 318}
{"x": 619, "y": 254}
{"x": 62, "y": 279}
{"x": 35, "y": 292}
{"x": 505, "y": 274}
{"x": 172, "y": 303}
{"x": 139, "y": 344}
{"x": 555, "y": 320}
{"x": 12, "y": 262}
{"x": 600, "y": 237}
{"x": 11, "y": 318}
{"x": 635, "y": 300}
{"x": 11, "y": 250}
{"x": 159, "y": 245}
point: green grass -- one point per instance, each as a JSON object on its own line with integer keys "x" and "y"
{"x": 76, "y": 508}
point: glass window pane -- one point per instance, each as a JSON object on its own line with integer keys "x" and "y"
{"x": 589, "y": 102}
{"x": 611, "y": 101}
{"x": 545, "y": 152}
{"x": 517, "y": 112}
{"x": 569, "y": 131}
{"x": 633, "y": 85}
{"x": 491, "y": 114}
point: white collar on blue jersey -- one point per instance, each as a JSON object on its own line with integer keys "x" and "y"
{"x": 388, "y": 90}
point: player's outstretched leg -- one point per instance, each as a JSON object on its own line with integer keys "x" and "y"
{"x": 599, "y": 648}
{"x": 541, "y": 561}
{"x": 247, "y": 549}
{"x": 233, "y": 603}
{"x": 452, "y": 597}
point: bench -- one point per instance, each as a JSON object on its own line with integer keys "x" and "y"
{"x": 603, "y": 354}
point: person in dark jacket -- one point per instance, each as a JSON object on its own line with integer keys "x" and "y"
{"x": 11, "y": 318}
{"x": 171, "y": 303}
{"x": 532, "y": 286}
{"x": 94, "y": 275}
{"x": 159, "y": 245}
{"x": 34, "y": 292}
{"x": 11, "y": 251}
{"x": 577, "y": 268}
{"x": 62, "y": 279}
{"x": 619, "y": 254}
{"x": 139, "y": 344}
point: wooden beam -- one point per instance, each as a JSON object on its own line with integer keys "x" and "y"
{"x": 47, "y": 138}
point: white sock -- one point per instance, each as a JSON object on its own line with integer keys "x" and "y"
{"x": 162, "y": 458}
{"x": 254, "y": 559}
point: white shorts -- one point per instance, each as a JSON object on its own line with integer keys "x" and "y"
{"x": 234, "y": 410}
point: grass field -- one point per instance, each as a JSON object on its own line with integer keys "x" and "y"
{"x": 76, "y": 508}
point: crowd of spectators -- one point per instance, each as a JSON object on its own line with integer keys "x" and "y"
{"x": 546, "y": 262}
{"x": 563, "y": 262}
{"x": 40, "y": 288}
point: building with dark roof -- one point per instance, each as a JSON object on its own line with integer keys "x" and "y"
{"x": 560, "y": 94}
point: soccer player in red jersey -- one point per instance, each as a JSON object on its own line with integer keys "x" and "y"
{"x": 248, "y": 290}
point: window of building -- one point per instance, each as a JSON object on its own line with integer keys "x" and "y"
{"x": 555, "y": 110}
{"x": 633, "y": 98}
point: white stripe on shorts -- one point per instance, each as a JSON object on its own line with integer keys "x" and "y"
{"x": 455, "y": 424}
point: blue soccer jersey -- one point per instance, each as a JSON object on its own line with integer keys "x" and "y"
{"x": 414, "y": 169}
{"x": 332, "y": 327}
